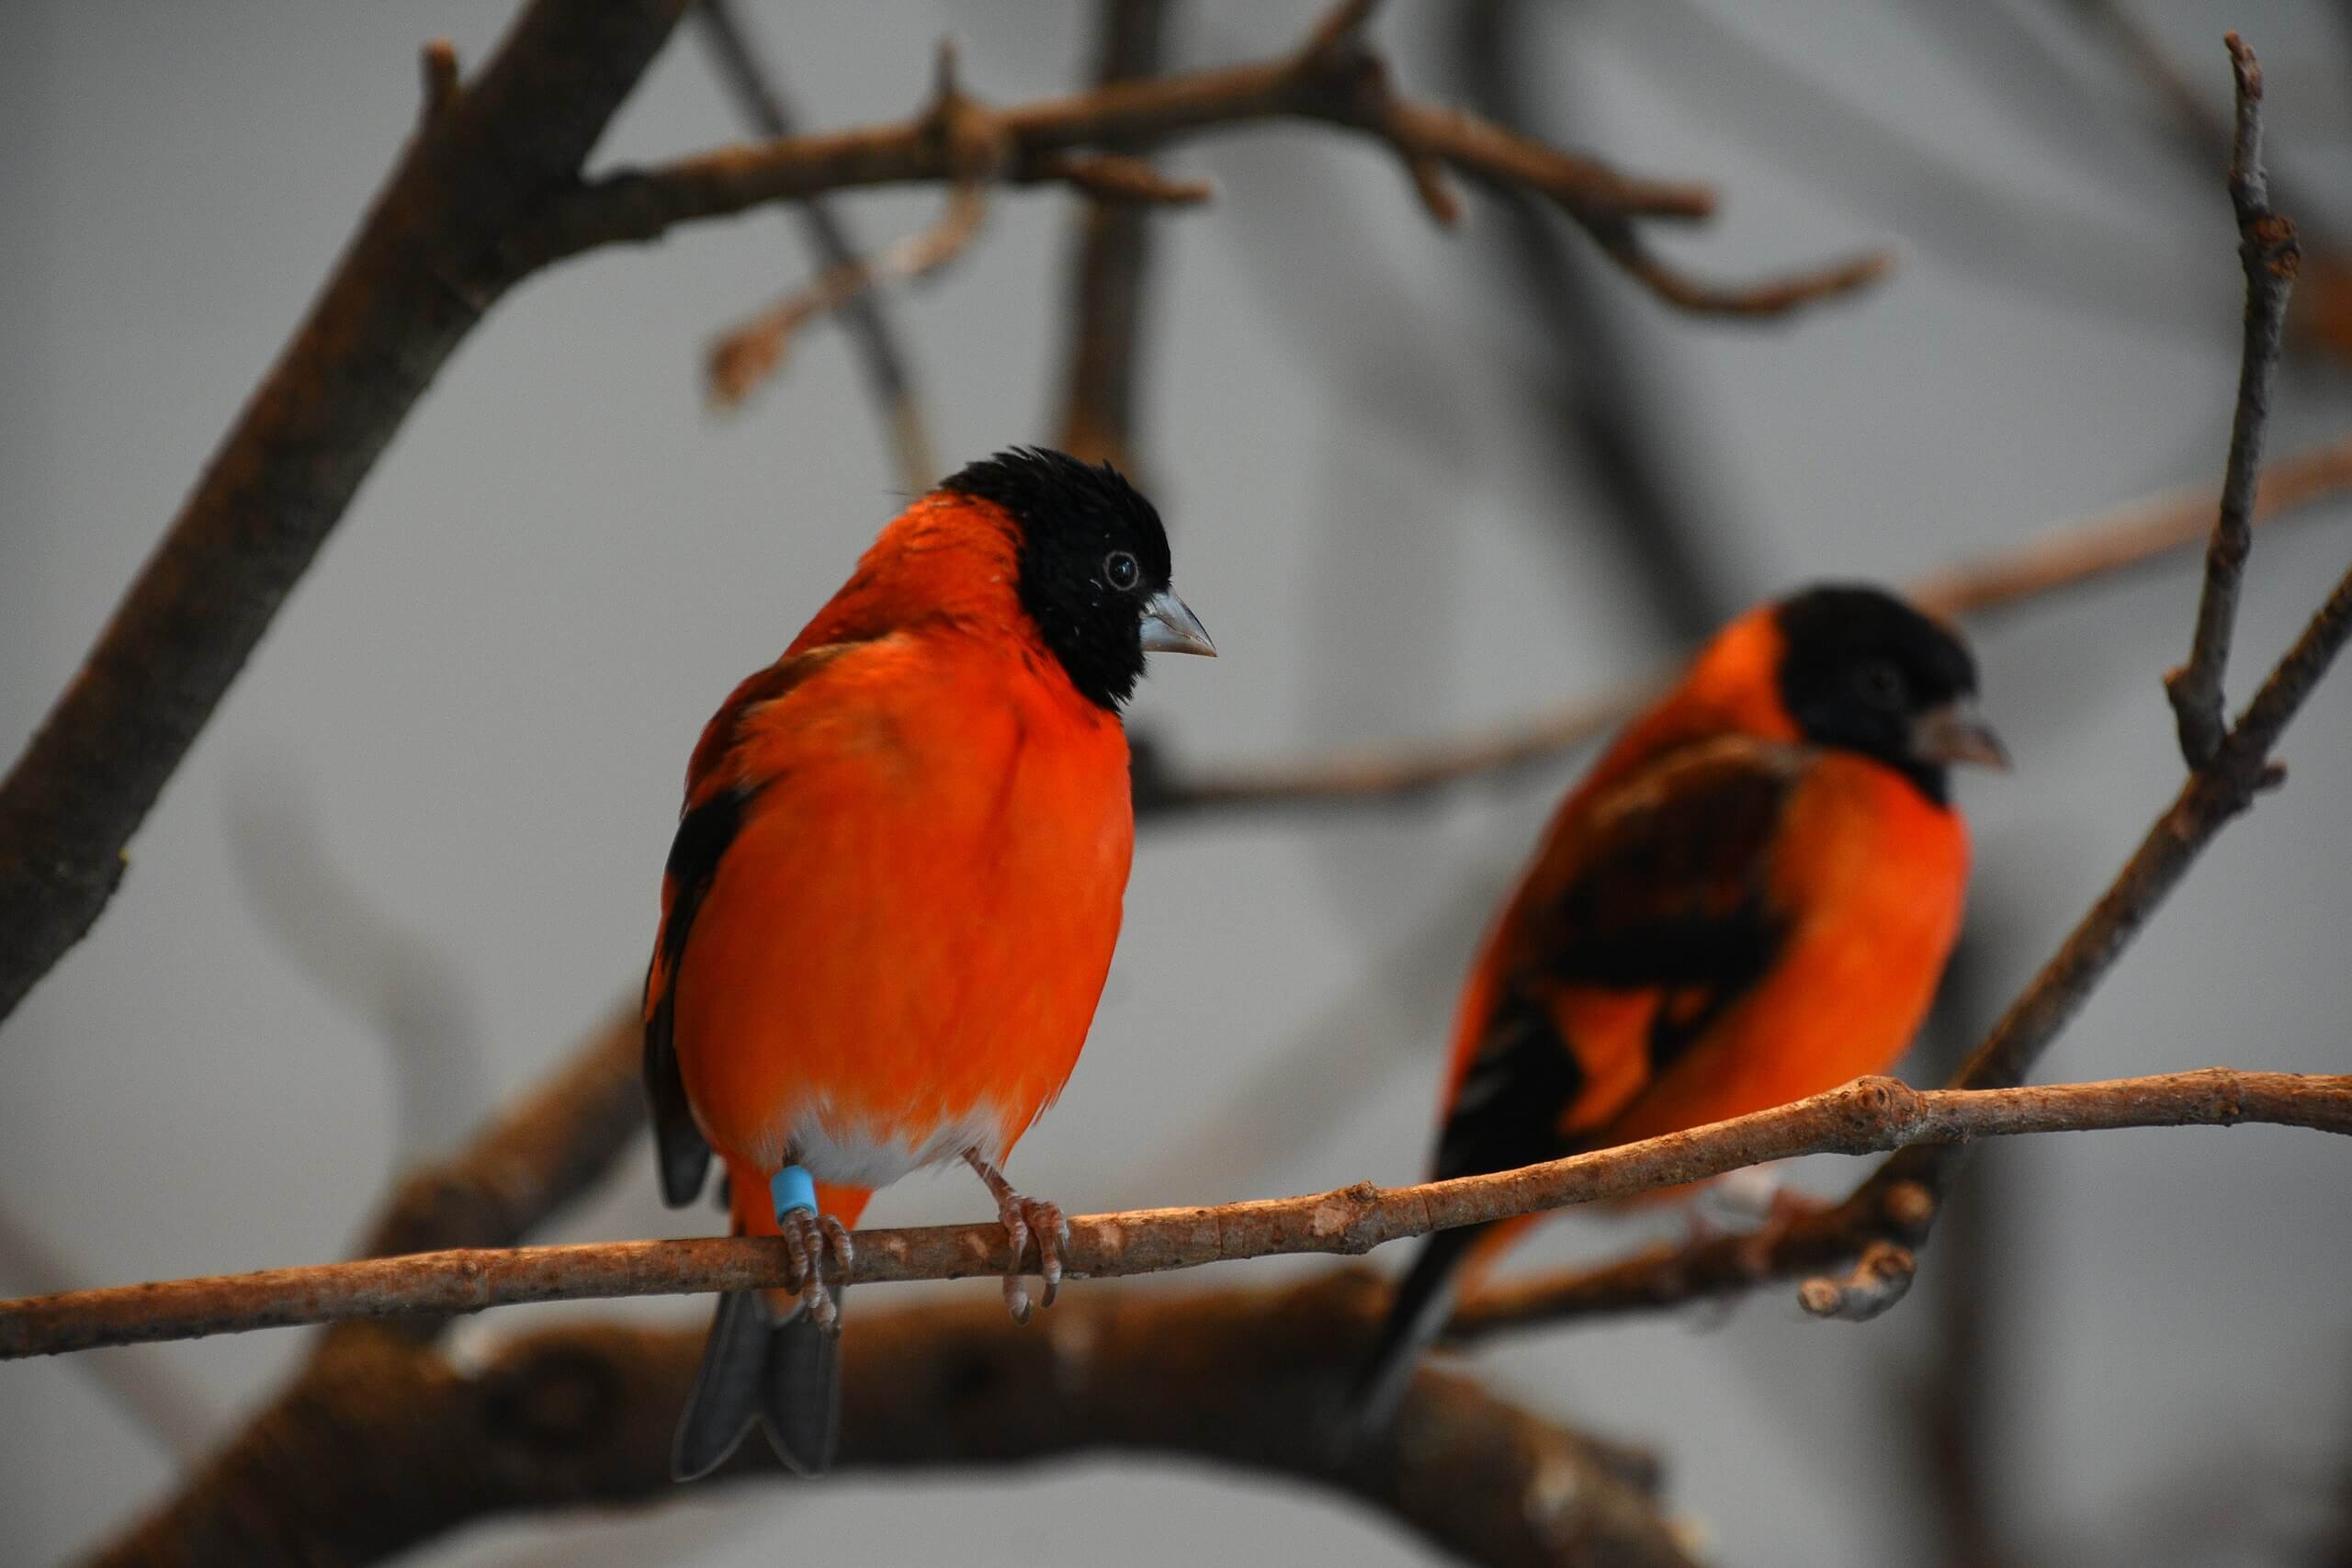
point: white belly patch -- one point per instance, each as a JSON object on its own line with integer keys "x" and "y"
{"x": 854, "y": 1153}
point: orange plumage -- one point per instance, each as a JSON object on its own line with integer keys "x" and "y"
{"x": 1749, "y": 901}
{"x": 897, "y": 882}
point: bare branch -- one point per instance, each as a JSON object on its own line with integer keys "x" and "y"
{"x": 2267, "y": 252}
{"x": 1771, "y": 297}
{"x": 416, "y": 278}
{"x": 864, "y": 316}
{"x": 1336, "y": 80}
{"x": 2069, "y": 557}
{"x": 379, "y": 1457}
{"x": 747, "y": 355}
{"x": 438, "y": 65}
{"x": 1867, "y": 1116}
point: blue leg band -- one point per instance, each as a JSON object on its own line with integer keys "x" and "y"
{"x": 792, "y": 1188}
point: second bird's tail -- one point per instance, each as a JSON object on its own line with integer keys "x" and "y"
{"x": 1424, "y": 1301}
{"x": 784, "y": 1377}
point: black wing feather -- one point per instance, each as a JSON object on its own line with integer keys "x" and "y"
{"x": 1670, "y": 891}
{"x": 680, "y": 1151}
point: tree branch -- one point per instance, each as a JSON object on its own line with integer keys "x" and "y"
{"x": 736, "y": 57}
{"x": 1868, "y": 1116}
{"x": 414, "y": 280}
{"x": 2267, "y": 252}
{"x": 379, "y": 1458}
{"x": 2102, "y": 547}
{"x": 746, "y": 356}
{"x": 1334, "y": 80}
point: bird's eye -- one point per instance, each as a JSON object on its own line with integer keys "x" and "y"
{"x": 1879, "y": 684}
{"x": 1120, "y": 571}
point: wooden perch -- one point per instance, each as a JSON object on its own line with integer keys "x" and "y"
{"x": 1867, "y": 1116}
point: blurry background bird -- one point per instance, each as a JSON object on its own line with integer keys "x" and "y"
{"x": 1747, "y": 901}
{"x": 892, "y": 899}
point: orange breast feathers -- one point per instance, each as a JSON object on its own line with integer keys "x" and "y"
{"x": 901, "y": 949}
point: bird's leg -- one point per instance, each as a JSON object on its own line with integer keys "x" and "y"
{"x": 1025, "y": 1218}
{"x": 807, "y": 1236}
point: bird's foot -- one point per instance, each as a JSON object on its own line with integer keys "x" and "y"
{"x": 807, "y": 1236}
{"x": 1026, "y": 1218}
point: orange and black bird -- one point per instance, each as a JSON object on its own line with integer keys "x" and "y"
{"x": 1749, "y": 900}
{"x": 892, "y": 897}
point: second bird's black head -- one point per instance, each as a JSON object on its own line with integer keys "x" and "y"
{"x": 1094, "y": 565}
{"x": 1861, "y": 670}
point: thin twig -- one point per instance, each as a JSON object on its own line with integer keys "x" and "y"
{"x": 1868, "y": 1116}
{"x": 2267, "y": 250}
{"x": 865, "y": 316}
{"x": 747, "y": 355}
{"x": 1336, "y": 81}
{"x": 2074, "y": 554}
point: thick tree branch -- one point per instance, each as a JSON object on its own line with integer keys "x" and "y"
{"x": 414, "y": 280}
{"x": 2267, "y": 252}
{"x": 383, "y": 1456}
{"x": 2077, "y": 553}
{"x": 1868, "y": 1116}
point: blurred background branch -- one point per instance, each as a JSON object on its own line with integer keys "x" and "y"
{"x": 758, "y": 93}
{"x": 2070, "y": 555}
{"x": 1110, "y": 267}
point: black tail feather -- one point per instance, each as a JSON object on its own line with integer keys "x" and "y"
{"x": 1423, "y": 1302}
{"x": 784, "y": 1377}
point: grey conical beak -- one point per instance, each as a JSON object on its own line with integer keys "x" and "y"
{"x": 1956, "y": 732}
{"x": 1169, "y": 627}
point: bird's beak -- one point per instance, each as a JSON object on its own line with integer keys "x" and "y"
{"x": 1956, "y": 732}
{"x": 1169, "y": 627}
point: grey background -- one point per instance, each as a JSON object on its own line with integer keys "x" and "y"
{"x": 433, "y": 810}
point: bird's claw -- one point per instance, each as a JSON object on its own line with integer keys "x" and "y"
{"x": 807, "y": 1238}
{"x": 1026, "y": 1219}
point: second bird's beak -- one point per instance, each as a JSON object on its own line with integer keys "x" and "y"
{"x": 1169, "y": 627}
{"x": 1956, "y": 732}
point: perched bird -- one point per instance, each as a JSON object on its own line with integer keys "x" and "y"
{"x": 1749, "y": 900}
{"x": 892, "y": 899}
